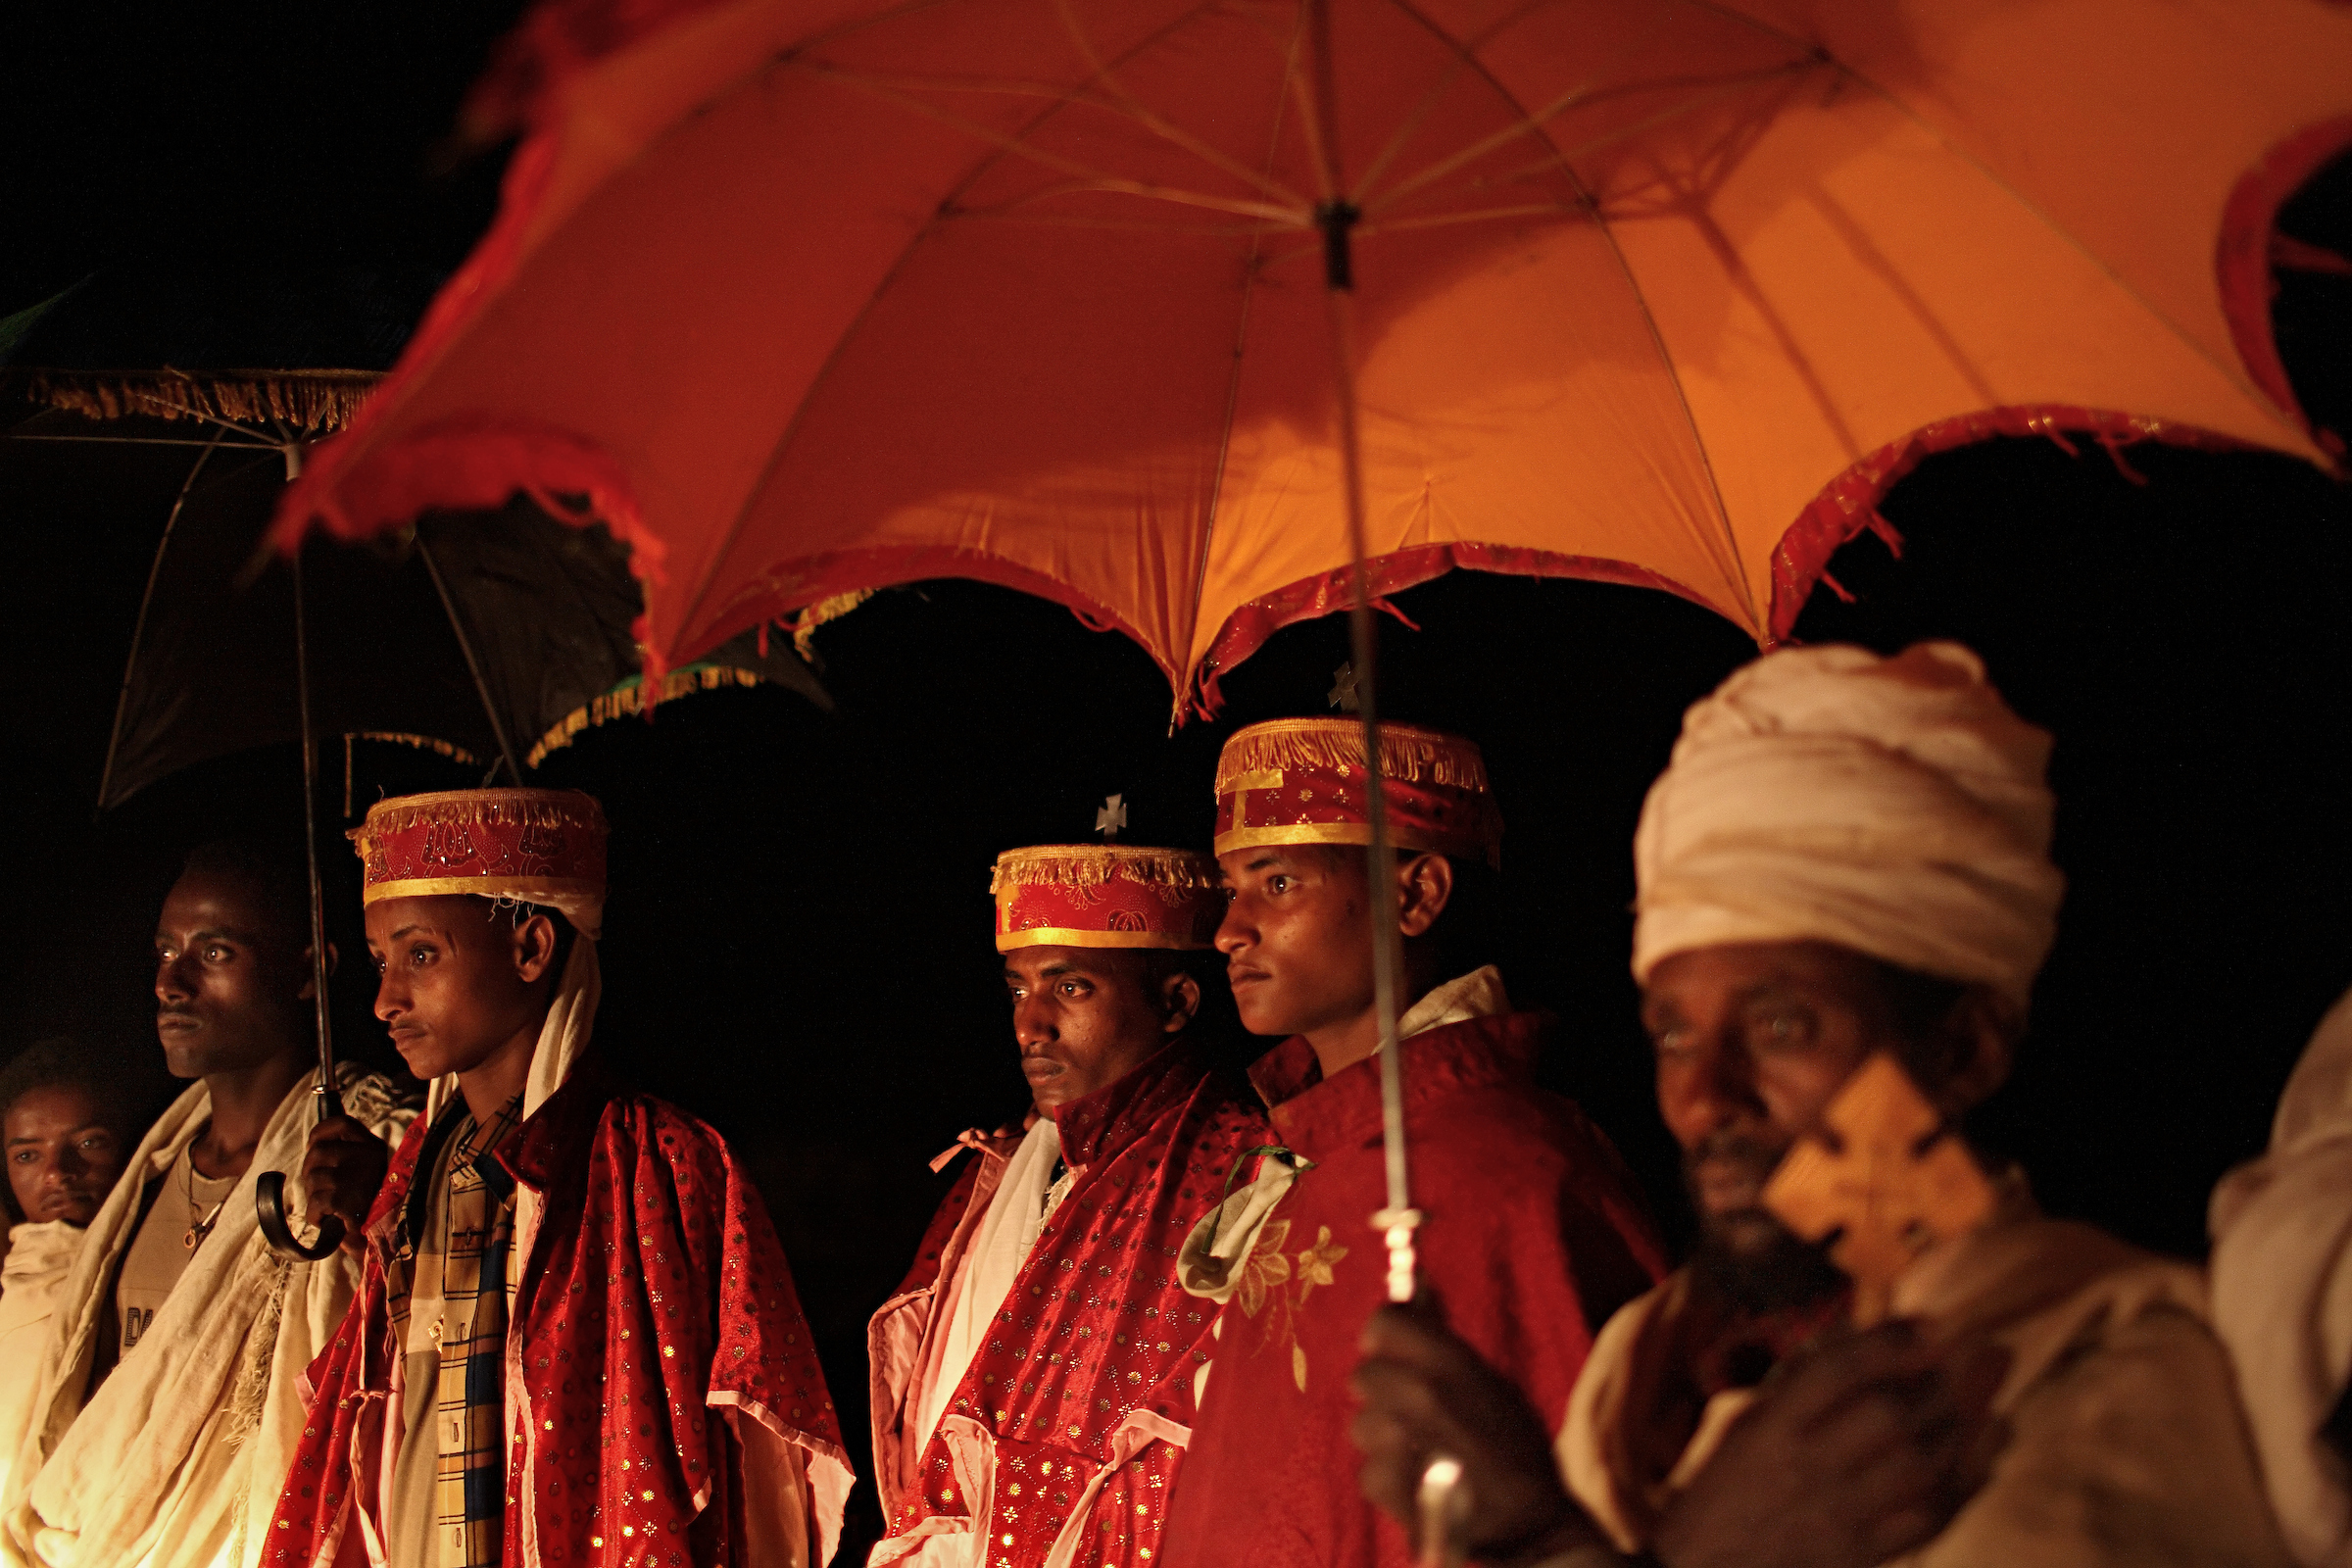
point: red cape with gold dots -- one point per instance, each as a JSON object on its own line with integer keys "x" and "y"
{"x": 656, "y": 1297}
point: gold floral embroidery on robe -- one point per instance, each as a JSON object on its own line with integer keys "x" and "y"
{"x": 1269, "y": 1273}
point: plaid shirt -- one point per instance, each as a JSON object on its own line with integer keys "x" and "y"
{"x": 465, "y": 1257}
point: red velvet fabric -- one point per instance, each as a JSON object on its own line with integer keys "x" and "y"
{"x": 656, "y": 1286}
{"x": 1534, "y": 1235}
{"x": 1095, "y": 1328}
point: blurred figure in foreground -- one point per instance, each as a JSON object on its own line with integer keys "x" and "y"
{"x": 66, "y": 1132}
{"x": 169, "y": 1394}
{"x": 1847, "y": 857}
{"x": 2283, "y": 1295}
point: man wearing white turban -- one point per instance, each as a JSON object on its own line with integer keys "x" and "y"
{"x": 2283, "y": 1295}
{"x": 1847, "y": 855}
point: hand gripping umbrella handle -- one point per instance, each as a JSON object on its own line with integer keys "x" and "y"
{"x": 269, "y": 1202}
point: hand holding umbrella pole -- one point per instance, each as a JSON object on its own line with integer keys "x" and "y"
{"x": 270, "y": 1190}
{"x": 1441, "y": 1497}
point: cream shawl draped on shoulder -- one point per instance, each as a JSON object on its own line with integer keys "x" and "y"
{"x": 176, "y": 1460}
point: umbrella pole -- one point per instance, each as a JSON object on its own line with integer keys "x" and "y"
{"x": 1398, "y": 1219}
{"x": 270, "y": 1190}
{"x": 1336, "y": 216}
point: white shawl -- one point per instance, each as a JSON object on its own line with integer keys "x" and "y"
{"x": 178, "y": 1459}
{"x": 2282, "y": 1293}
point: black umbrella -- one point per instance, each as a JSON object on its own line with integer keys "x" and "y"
{"x": 489, "y": 637}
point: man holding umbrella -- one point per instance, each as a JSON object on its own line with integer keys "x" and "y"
{"x": 169, "y": 1396}
{"x": 576, "y": 1339}
{"x": 1534, "y": 1231}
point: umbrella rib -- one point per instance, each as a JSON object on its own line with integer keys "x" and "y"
{"x": 138, "y": 628}
{"x": 1233, "y": 396}
{"x": 1095, "y": 178}
{"x": 2229, "y": 371}
{"x": 148, "y": 441}
{"x": 735, "y": 527}
{"x": 1144, "y": 115}
{"x": 1737, "y": 576}
{"x": 474, "y": 665}
{"x": 1722, "y": 87}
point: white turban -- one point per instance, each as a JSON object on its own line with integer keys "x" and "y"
{"x": 1891, "y": 806}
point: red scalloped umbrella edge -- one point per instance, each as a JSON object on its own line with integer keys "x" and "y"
{"x": 480, "y": 463}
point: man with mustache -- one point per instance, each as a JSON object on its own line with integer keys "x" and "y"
{"x": 1529, "y": 1216}
{"x": 66, "y": 1134}
{"x": 1847, "y": 858}
{"x": 576, "y": 1339}
{"x": 169, "y": 1394}
{"x": 1035, "y": 1373}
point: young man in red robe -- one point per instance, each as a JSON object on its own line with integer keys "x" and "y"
{"x": 576, "y": 1340}
{"x": 1532, "y": 1233}
{"x": 1033, "y": 1378}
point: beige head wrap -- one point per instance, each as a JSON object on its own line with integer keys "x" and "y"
{"x": 1891, "y": 806}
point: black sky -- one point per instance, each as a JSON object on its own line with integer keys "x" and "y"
{"x": 798, "y": 944}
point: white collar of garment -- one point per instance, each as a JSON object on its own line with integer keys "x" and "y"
{"x": 1476, "y": 994}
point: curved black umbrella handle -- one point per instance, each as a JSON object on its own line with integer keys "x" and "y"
{"x": 270, "y": 1202}
{"x": 269, "y": 1207}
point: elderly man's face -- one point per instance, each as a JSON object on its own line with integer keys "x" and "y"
{"x": 1754, "y": 1040}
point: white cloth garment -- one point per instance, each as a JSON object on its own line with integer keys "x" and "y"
{"x": 175, "y": 1461}
{"x": 1892, "y": 806}
{"x": 39, "y": 1257}
{"x": 2283, "y": 1292}
{"x": 1016, "y": 1214}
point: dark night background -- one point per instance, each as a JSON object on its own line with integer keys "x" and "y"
{"x": 798, "y": 944}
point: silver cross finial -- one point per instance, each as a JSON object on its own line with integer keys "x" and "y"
{"x": 1343, "y": 691}
{"x": 1112, "y": 817}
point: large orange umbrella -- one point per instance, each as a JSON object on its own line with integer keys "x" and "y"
{"x": 809, "y": 296}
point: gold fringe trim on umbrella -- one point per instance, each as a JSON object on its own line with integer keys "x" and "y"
{"x": 805, "y": 624}
{"x": 314, "y": 402}
{"x": 627, "y": 701}
{"x": 1090, "y": 865}
{"x": 1407, "y": 754}
{"x": 423, "y": 743}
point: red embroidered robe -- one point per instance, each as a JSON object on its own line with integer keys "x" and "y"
{"x": 1534, "y": 1236}
{"x": 1081, "y": 1406}
{"x": 654, "y": 1296}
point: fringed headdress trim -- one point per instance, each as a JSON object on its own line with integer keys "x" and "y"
{"x": 518, "y": 808}
{"x": 1407, "y": 754}
{"x": 1090, "y": 866}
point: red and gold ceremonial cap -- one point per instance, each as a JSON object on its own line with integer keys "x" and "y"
{"x": 1302, "y": 781}
{"x": 1106, "y": 896}
{"x": 535, "y": 846}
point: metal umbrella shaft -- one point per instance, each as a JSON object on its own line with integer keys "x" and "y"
{"x": 1336, "y": 216}
{"x": 269, "y": 1191}
{"x": 1441, "y": 1497}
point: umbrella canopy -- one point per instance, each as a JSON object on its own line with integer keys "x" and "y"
{"x": 1031, "y": 290}
{"x": 483, "y": 636}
